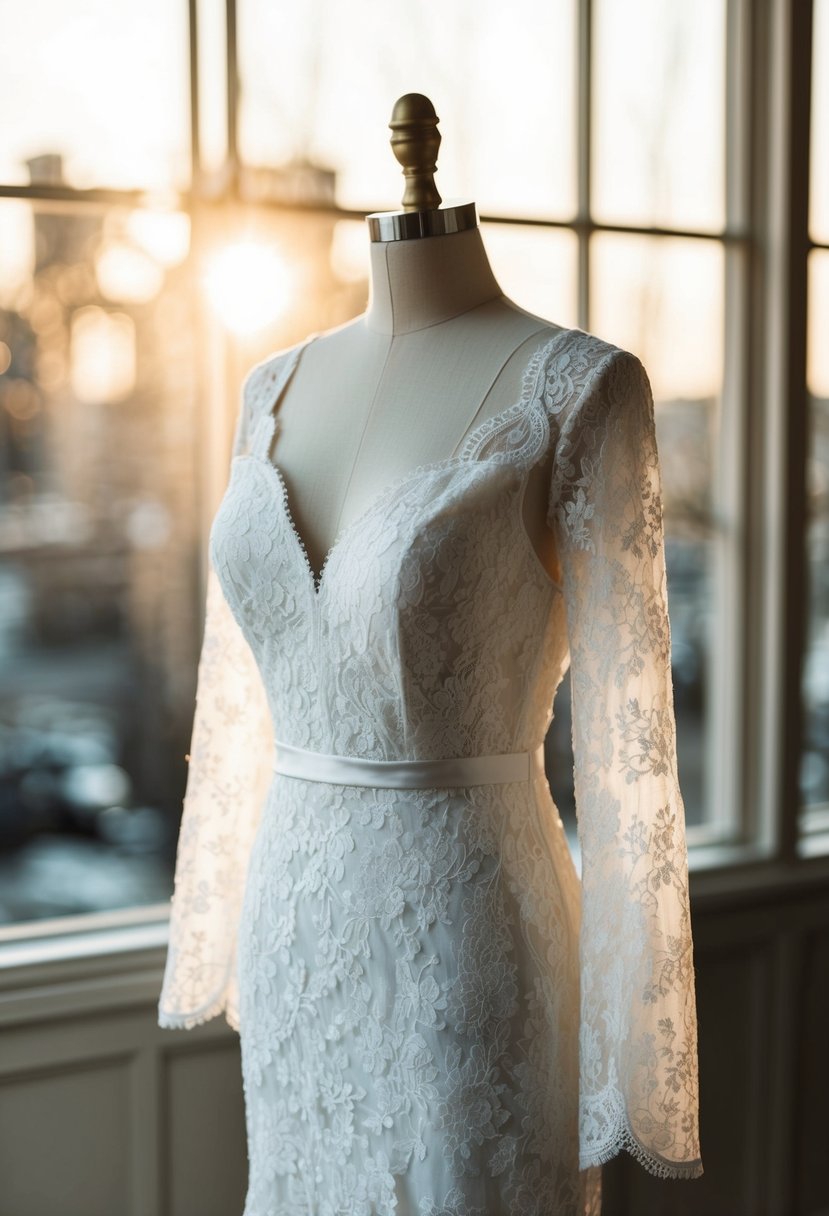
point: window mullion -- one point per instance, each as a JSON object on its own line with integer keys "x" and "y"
{"x": 584, "y": 132}
{"x": 195, "y": 118}
{"x": 728, "y": 698}
{"x": 233, "y": 91}
{"x": 781, "y": 191}
{"x": 800, "y": 18}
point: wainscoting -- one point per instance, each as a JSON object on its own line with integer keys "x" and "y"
{"x": 104, "y": 1114}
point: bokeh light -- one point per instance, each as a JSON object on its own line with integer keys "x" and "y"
{"x": 249, "y": 285}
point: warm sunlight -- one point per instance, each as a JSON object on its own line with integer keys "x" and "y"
{"x": 126, "y": 274}
{"x": 102, "y": 350}
{"x": 248, "y": 285}
{"x": 164, "y": 235}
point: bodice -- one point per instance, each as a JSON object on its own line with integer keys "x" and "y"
{"x": 434, "y": 630}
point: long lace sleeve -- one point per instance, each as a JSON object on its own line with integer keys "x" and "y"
{"x": 228, "y": 772}
{"x": 638, "y": 1030}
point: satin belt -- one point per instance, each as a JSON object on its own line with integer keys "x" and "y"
{"x": 405, "y": 774}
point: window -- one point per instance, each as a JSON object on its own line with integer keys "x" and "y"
{"x": 99, "y": 528}
{"x": 166, "y": 224}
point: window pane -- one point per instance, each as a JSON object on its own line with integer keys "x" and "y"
{"x": 662, "y": 299}
{"x": 659, "y": 105}
{"x": 536, "y": 268}
{"x": 94, "y": 93}
{"x": 99, "y": 534}
{"x": 319, "y": 82}
{"x": 814, "y": 769}
{"x": 819, "y": 199}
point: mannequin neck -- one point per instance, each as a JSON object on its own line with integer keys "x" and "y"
{"x": 421, "y": 282}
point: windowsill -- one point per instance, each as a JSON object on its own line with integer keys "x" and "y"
{"x": 728, "y": 875}
{"x": 82, "y": 964}
{"x": 814, "y": 845}
{"x": 74, "y": 937}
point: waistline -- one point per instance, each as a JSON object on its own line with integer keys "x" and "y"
{"x": 293, "y": 761}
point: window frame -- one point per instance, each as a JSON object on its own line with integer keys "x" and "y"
{"x": 756, "y": 722}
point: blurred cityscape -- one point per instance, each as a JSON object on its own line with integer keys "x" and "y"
{"x": 101, "y": 521}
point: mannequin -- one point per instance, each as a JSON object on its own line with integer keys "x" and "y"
{"x": 439, "y": 349}
{"x": 372, "y": 879}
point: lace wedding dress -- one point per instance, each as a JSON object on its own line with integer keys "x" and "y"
{"x": 438, "y": 1015}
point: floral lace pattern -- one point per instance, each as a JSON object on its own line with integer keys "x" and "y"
{"x": 437, "y": 1017}
{"x": 639, "y": 1085}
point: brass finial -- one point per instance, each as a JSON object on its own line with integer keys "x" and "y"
{"x": 415, "y": 141}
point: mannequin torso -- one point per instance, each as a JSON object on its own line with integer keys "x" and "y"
{"x": 439, "y": 350}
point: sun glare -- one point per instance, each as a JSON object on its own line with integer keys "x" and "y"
{"x": 103, "y": 355}
{"x": 164, "y": 235}
{"x": 249, "y": 285}
{"x": 127, "y": 274}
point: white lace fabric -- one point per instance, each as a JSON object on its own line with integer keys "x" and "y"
{"x": 437, "y": 1017}
{"x": 638, "y": 1039}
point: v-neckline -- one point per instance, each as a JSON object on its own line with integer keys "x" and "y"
{"x": 472, "y": 441}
